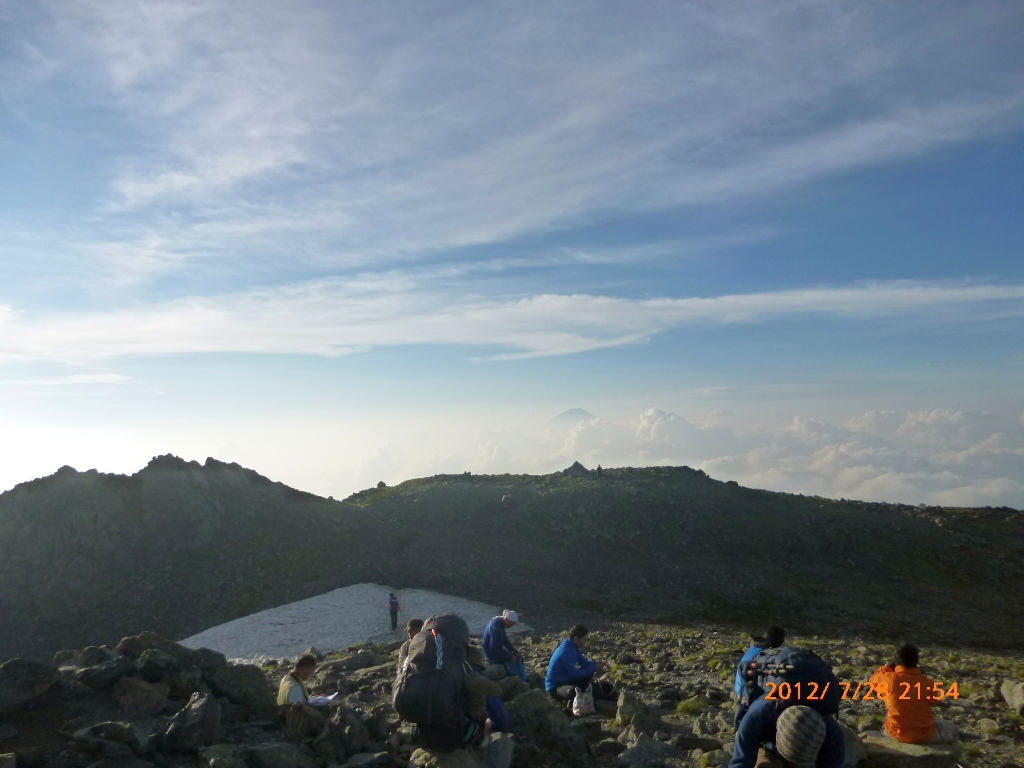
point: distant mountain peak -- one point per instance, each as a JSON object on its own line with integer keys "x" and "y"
{"x": 572, "y": 416}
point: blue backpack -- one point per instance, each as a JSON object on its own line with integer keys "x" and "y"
{"x": 791, "y": 675}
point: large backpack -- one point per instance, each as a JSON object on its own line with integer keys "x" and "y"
{"x": 792, "y": 675}
{"x": 428, "y": 689}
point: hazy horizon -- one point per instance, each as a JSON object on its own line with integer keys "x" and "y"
{"x": 344, "y": 243}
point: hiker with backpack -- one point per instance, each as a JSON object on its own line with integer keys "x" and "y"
{"x": 909, "y": 697}
{"x": 787, "y": 713}
{"x": 393, "y": 607}
{"x": 293, "y": 685}
{"x": 773, "y": 638}
{"x": 498, "y": 649}
{"x": 569, "y": 669}
{"x": 430, "y": 688}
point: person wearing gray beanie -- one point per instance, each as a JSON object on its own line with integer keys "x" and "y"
{"x": 792, "y": 736}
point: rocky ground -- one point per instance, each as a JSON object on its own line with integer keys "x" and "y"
{"x": 150, "y": 702}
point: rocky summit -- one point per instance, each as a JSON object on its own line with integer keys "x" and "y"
{"x": 149, "y": 702}
{"x": 179, "y": 547}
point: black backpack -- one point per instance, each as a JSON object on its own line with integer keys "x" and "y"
{"x": 792, "y": 675}
{"x": 428, "y": 689}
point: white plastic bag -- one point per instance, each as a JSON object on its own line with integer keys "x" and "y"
{"x": 583, "y": 703}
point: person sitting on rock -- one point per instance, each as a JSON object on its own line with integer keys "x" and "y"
{"x": 498, "y": 649}
{"x": 771, "y": 736}
{"x": 569, "y": 668}
{"x": 773, "y": 638}
{"x": 412, "y": 628}
{"x": 293, "y": 685}
{"x": 909, "y": 697}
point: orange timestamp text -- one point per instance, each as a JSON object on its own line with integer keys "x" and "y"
{"x": 862, "y": 691}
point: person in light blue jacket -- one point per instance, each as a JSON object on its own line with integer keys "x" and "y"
{"x": 569, "y": 668}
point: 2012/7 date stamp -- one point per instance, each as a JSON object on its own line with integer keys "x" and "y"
{"x": 862, "y": 692}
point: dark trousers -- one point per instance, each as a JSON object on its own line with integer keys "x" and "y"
{"x": 394, "y": 620}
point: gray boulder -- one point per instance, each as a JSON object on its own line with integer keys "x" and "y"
{"x": 497, "y": 752}
{"x": 369, "y": 760}
{"x": 277, "y": 755}
{"x": 242, "y": 684}
{"x": 197, "y": 725}
{"x": 643, "y": 751}
{"x": 121, "y": 762}
{"x": 102, "y": 677}
{"x": 155, "y": 664}
{"x": 22, "y": 680}
{"x": 110, "y": 739}
{"x": 139, "y": 698}
{"x": 883, "y": 751}
{"x": 1013, "y": 695}
{"x": 184, "y": 682}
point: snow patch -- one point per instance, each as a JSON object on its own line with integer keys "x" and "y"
{"x": 335, "y": 620}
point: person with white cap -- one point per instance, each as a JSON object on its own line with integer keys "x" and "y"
{"x": 498, "y": 649}
{"x": 773, "y": 736}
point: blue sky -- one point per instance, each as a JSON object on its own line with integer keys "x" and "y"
{"x": 344, "y": 242}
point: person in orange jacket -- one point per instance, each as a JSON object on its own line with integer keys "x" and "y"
{"x": 909, "y": 697}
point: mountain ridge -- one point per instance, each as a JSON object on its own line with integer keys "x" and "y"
{"x": 177, "y": 547}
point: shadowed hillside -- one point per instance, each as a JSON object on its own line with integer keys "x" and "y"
{"x": 179, "y": 547}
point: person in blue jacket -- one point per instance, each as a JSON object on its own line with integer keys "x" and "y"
{"x": 796, "y": 736}
{"x": 498, "y": 649}
{"x": 773, "y": 638}
{"x": 569, "y": 668}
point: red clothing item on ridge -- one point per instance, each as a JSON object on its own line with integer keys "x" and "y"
{"x": 909, "y": 698}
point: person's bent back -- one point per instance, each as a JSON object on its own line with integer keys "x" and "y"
{"x": 909, "y": 697}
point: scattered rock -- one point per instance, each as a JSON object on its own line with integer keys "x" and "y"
{"x": 644, "y": 750}
{"x": 277, "y": 755}
{"x": 139, "y": 698}
{"x": 885, "y": 752}
{"x": 102, "y": 676}
{"x": 242, "y": 684}
{"x": 196, "y": 725}
{"x": 22, "y": 680}
{"x": 155, "y": 664}
{"x": 713, "y": 759}
{"x": 1013, "y": 694}
{"x": 110, "y": 739}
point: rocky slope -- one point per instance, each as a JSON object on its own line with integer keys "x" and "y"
{"x": 150, "y": 702}
{"x": 179, "y": 547}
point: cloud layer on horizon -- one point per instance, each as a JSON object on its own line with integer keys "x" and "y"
{"x": 941, "y": 457}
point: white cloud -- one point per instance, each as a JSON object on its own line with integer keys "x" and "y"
{"x": 77, "y": 379}
{"x": 368, "y": 132}
{"x": 977, "y": 467}
{"x": 335, "y": 318}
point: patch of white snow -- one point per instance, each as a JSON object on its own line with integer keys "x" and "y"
{"x": 335, "y": 620}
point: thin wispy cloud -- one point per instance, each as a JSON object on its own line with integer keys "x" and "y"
{"x": 364, "y": 134}
{"x": 74, "y": 380}
{"x": 333, "y": 318}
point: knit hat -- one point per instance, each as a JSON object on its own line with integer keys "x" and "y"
{"x": 510, "y": 615}
{"x": 799, "y": 734}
